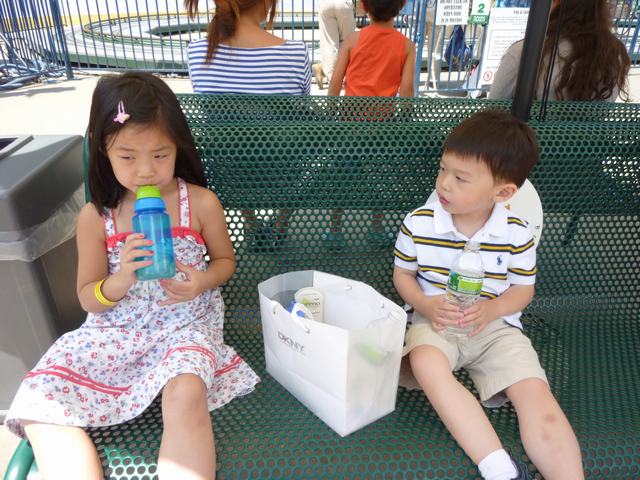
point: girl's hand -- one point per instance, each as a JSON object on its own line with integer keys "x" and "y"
{"x": 479, "y": 316}
{"x": 183, "y": 291}
{"x": 441, "y": 313}
{"x": 131, "y": 258}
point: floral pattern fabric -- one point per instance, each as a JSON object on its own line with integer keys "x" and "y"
{"x": 111, "y": 368}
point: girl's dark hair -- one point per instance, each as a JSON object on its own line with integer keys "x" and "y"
{"x": 148, "y": 101}
{"x": 598, "y": 62}
{"x": 225, "y": 19}
{"x": 383, "y": 10}
{"x": 504, "y": 143}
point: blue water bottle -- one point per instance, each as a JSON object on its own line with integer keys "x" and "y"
{"x": 150, "y": 217}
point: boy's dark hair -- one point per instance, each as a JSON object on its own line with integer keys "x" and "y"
{"x": 148, "y": 101}
{"x": 507, "y": 145}
{"x": 382, "y": 10}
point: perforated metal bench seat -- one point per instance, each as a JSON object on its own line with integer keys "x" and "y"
{"x": 584, "y": 320}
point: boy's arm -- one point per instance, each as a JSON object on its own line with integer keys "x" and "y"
{"x": 514, "y": 299}
{"x": 432, "y": 307}
{"x": 337, "y": 77}
{"x": 406, "y": 81}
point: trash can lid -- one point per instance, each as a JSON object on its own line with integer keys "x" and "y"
{"x": 36, "y": 177}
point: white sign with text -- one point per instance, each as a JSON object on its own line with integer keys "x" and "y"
{"x": 506, "y": 26}
{"x": 452, "y": 12}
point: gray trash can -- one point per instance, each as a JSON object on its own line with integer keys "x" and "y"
{"x": 41, "y": 193}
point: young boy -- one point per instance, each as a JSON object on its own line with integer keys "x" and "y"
{"x": 378, "y": 61}
{"x": 485, "y": 160}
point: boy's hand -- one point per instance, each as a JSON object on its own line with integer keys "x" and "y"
{"x": 479, "y": 316}
{"x": 183, "y": 291}
{"x": 441, "y": 313}
{"x": 132, "y": 258}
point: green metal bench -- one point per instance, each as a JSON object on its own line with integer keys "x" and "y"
{"x": 248, "y": 109}
{"x": 584, "y": 320}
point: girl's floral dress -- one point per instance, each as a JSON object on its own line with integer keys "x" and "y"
{"x": 111, "y": 368}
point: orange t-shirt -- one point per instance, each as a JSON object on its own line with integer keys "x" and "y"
{"x": 376, "y": 63}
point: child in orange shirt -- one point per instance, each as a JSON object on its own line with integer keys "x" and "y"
{"x": 377, "y": 60}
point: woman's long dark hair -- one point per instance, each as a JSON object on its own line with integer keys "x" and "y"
{"x": 148, "y": 101}
{"x": 225, "y": 19}
{"x": 597, "y": 63}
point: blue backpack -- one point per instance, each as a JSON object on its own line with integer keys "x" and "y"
{"x": 458, "y": 53}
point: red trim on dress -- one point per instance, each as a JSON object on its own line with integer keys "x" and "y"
{"x": 235, "y": 361}
{"x": 74, "y": 377}
{"x": 193, "y": 348}
{"x": 176, "y": 232}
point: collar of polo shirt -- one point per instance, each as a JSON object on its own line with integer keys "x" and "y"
{"x": 496, "y": 225}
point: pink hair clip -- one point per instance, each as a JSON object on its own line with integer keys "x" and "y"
{"x": 122, "y": 116}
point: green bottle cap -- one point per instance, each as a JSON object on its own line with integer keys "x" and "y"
{"x": 148, "y": 191}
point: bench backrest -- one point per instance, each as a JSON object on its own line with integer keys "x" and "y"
{"x": 261, "y": 109}
{"x": 278, "y": 153}
{"x": 312, "y": 154}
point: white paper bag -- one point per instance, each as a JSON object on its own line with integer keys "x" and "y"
{"x": 345, "y": 370}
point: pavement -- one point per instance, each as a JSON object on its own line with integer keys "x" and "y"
{"x": 62, "y": 107}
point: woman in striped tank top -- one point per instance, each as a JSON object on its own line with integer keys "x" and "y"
{"x": 239, "y": 56}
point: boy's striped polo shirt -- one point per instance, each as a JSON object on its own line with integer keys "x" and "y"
{"x": 428, "y": 242}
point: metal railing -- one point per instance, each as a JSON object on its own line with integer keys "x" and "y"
{"x": 48, "y": 37}
{"x": 626, "y": 22}
{"x": 31, "y": 42}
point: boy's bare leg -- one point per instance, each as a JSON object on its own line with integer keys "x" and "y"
{"x": 187, "y": 450}
{"x": 456, "y": 406}
{"x": 63, "y": 452}
{"x": 546, "y": 433}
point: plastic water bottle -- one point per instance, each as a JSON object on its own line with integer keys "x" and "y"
{"x": 465, "y": 282}
{"x": 150, "y": 217}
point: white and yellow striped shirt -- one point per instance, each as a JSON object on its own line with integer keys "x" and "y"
{"x": 428, "y": 242}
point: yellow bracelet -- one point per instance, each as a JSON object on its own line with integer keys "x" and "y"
{"x": 100, "y": 297}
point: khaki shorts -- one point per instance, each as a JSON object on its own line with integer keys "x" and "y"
{"x": 495, "y": 359}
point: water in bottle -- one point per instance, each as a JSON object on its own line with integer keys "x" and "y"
{"x": 465, "y": 283}
{"x": 150, "y": 217}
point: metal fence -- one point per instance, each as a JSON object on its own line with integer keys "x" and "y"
{"x": 50, "y": 36}
{"x": 626, "y": 21}
{"x": 31, "y": 42}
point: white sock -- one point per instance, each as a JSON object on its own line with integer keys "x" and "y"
{"x": 497, "y": 466}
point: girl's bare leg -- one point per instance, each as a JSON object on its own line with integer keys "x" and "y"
{"x": 63, "y": 452}
{"x": 187, "y": 450}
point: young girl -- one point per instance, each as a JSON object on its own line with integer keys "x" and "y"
{"x": 140, "y": 339}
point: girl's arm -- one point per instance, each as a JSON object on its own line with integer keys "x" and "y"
{"x": 406, "y": 81}
{"x": 337, "y": 78}
{"x": 213, "y": 225}
{"x": 93, "y": 264}
{"x": 207, "y": 216}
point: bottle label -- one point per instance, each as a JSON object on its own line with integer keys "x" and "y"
{"x": 462, "y": 284}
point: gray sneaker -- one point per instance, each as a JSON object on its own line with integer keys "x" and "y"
{"x": 523, "y": 471}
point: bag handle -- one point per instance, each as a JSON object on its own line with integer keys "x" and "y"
{"x": 294, "y": 315}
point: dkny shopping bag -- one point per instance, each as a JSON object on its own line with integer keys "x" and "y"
{"x": 345, "y": 368}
